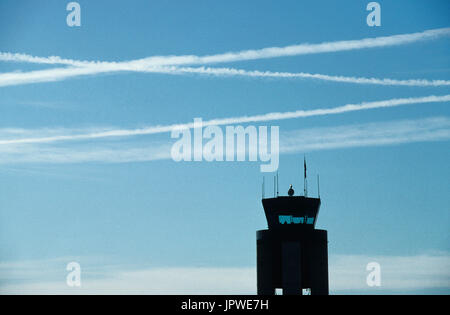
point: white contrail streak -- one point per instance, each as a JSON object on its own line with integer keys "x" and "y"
{"x": 294, "y": 141}
{"x": 49, "y": 75}
{"x": 170, "y": 64}
{"x": 270, "y": 52}
{"x": 235, "y": 120}
{"x": 58, "y": 74}
{"x": 301, "y": 75}
{"x": 364, "y": 135}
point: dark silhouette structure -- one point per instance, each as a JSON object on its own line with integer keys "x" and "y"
{"x": 291, "y": 254}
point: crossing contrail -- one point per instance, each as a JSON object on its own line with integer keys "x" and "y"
{"x": 59, "y": 74}
{"x": 264, "y": 53}
{"x": 172, "y": 64}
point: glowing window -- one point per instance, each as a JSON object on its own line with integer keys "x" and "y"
{"x": 285, "y": 219}
{"x": 298, "y": 220}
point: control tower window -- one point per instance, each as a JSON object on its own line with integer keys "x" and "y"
{"x": 297, "y": 220}
{"x": 289, "y": 219}
{"x": 285, "y": 219}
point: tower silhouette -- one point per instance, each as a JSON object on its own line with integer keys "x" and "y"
{"x": 291, "y": 254}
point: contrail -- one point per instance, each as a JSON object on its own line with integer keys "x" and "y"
{"x": 58, "y": 74}
{"x": 301, "y": 75}
{"x": 294, "y": 141}
{"x": 170, "y": 64}
{"x": 49, "y": 75}
{"x": 274, "y": 116}
{"x": 367, "y": 134}
{"x": 265, "y": 53}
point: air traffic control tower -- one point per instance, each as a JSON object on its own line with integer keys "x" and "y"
{"x": 291, "y": 254}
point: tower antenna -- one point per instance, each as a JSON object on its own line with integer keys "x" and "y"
{"x": 305, "y": 181}
{"x": 277, "y": 186}
{"x": 318, "y": 186}
{"x": 274, "y": 186}
{"x": 263, "y": 188}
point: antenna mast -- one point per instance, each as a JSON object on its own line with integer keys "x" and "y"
{"x": 277, "y": 186}
{"x": 263, "y": 188}
{"x": 305, "y": 181}
{"x": 318, "y": 186}
{"x": 274, "y": 186}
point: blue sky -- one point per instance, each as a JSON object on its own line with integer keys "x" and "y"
{"x": 380, "y": 198}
